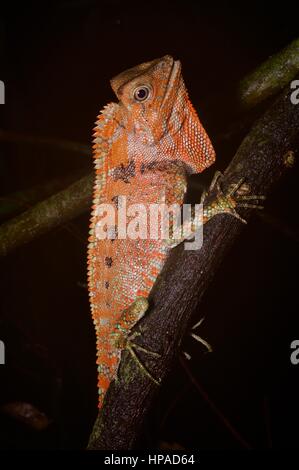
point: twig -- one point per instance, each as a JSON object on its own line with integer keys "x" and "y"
{"x": 214, "y": 408}
{"x": 267, "y": 419}
{"x": 279, "y": 225}
{"x": 23, "y": 200}
{"x": 55, "y": 211}
{"x": 271, "y": 77}
{"x": 172, "y": 405}
{"x": 10, "y": 136}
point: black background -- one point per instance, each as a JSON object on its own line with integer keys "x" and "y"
{"x": 56, "y": 62}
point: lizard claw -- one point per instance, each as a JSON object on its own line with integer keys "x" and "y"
{"x": 235, "y": 196}
{"x": 132, "y": 347}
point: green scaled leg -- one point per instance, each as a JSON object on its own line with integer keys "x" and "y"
{"x": 227, "y": 203}
{"x": 123, "y": 340}
{"x": 224, "y": 203}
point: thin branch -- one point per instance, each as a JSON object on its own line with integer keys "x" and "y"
{"x": 267, "y": 419}
{"x": 279, "y": 225}
{"x": 262, "y": 159}
{"x": 214, "y": 408}
{"x": 57, "y": 210}
{"x": 173, "y": 404}
{"x": 270, "y": 77}
{"x": 19, "y": 201}
{"x": 11, "y": 136}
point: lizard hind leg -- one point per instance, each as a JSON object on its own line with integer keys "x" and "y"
{"x": 124, "y": 340}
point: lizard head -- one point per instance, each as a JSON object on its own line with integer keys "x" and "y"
{"x": 156, "y": 110}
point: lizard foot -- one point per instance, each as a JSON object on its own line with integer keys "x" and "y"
{"x": 224, "y": 203}
{"x": 122, "y": 339}
{"x": 133, "y": 347}
{"x": 227, "y": 202}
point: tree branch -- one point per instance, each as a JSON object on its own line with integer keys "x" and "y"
{"x": 262, "y": 159}
{"x": 48, "y": 214}
{"x": 19, "y": 201}
{"x": 270, "y": 77}
{"x": 66, "y": 145}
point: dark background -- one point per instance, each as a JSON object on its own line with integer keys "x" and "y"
{"x": 56, "y": 62}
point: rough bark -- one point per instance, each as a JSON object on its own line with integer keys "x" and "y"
{"x": 263, "y": 157}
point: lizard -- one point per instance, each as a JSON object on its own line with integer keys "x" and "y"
{"x": 144, "y": 147}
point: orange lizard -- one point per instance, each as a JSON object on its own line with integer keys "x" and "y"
{"x": 144, "y": 147}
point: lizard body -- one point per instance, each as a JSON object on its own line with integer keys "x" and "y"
{"x": 144, "y": 147}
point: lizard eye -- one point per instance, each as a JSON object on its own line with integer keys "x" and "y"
{"x": 141, "y": 93}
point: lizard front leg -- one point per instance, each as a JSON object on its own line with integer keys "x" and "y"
{"x": 224, "y": 203}
{"x": 227, "y": 202}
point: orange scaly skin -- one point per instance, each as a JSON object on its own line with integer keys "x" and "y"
{"x": 143, "y": 150}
